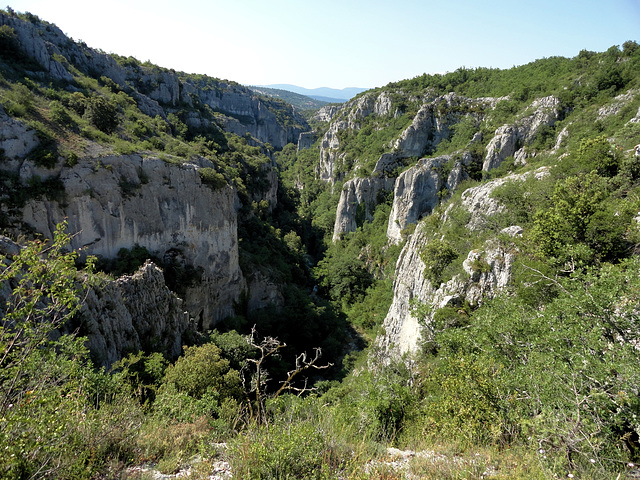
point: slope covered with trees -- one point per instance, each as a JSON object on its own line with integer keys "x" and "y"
{"x": 535, "y": 377}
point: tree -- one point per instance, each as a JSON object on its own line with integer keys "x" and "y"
{"x": 102, "y": 114}
{"x": 58, "y": 417}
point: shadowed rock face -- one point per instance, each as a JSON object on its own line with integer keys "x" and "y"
{"x": 122, "y": 201}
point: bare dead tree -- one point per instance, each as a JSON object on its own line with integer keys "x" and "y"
{"x": 269, "y": 347}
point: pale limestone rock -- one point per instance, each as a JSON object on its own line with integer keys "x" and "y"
{"x": 404, "y": 332}
{"x": 155, "y": 87}
{"x": 520, "y": 157}
{"x": 329, "y": 151}
{"x": 415, "y": 139}
{"x": 17, "y": 139}
{"x": 617, "y": 104}
{"x": 135, "y": 312}
{"x": 509, "y": 138}
{"x": 263, "y": 292}
{"x": 305, "y": 140}
{"x": 120, "y": 201}
{"x": 383, "y": 104}
{"x": 418, "y": 190}
{"x": 358, "y": 193}
{"x": 503, "y": 144}
{"x": 433, "y": 123}
{"x": 326, "y": 113}
{"x": 480, "y": 204}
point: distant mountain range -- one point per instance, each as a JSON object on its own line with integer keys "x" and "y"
{"x": 300, "y": 102}
{"x": 324, "y": 94}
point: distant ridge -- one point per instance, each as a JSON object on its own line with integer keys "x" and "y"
{"x": 323, "y": 93}
{"x": 301, "y": 102}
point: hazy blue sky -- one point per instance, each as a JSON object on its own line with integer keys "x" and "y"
{"x": 340, "y": 43}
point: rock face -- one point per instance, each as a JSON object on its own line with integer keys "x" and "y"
{"x": 433, "y": 123}
{"x": 404, "y": 333}
{"x": 508, "y": 139}
{"x": 16, "y": 138}
{"x": 488, "y": 271}
{"x": 419, "y": 189}
{"x": 135, "y": 312}
{"x": 120, "y": 201}
{"x": 358, "y": 199}
{"x": 305, "y": 140}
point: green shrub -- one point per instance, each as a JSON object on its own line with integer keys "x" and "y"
{"x": 211, "y": 177}
{"x": 102, "y": 114}
{"x": 436, "y": 256}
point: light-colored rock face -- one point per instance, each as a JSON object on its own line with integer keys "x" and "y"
{"x": 383, "y": 105}
{"x": 305, "y": 140}
{"x": 326, "y": 113}
{"x": 135, "y": 312}
{"x": 404, "y": 333}
{"x": 329, "y": 151}
{"x": 480, "y": 203}
{"x": 358, "y": 200}
{"x": 418, "y": 190}
{"x": 433, "y": 123}
{"x": 16, "y": 139}
{"x": 508, "y": 139}
{"x": 415, "y": 139}
{"x": 120, "y": 201}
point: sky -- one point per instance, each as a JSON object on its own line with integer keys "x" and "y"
{"x": 340, "y": 43}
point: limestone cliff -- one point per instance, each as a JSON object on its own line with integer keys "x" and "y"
{"x": 420, "y": 189}
{"x": 358, "y": 199}
{"x": 487, "y": 272}
{"x": 403, "y": 331}
{"x": 117, "y": 202}
{"x": 509, "y": 140}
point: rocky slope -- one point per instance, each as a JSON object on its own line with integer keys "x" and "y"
{"x": 158, "y": 201}
{"x": 487, "y": 271}
{"x": 159, "y": 91}
{"x": 428, "y": 181}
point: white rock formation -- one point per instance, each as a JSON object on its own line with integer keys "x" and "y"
{"x": 119, "y": 201}
{"x": 418, "y": 191}
{"x": 358, "y": 194}
{"x": 508, "y": 139}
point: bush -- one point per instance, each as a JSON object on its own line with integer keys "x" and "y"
{"x": 102, "y": 114}
{"x": 436, "y": 256}
{"x": 210, "y": 177}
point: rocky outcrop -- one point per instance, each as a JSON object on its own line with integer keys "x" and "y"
{"x": 326, "y": 113}
{"x": 488, "y": 271}
{"x": 509, "y": 139}
{"x": 329, "y": 151}
{"x": 348, "y": 118}
{"x": 305, "y": 140}
{"x": 433, "y": 123}
{"x": 480, "y": 202}
{"x": 358, "y": 200}
{"x": 419, "y": 190}
{"x": 17, "y": 139}
{"x": 120, "y": 201}
{"x": 133, "y": 313}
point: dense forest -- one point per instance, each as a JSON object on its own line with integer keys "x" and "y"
{"x": 536, "y": 379}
